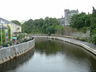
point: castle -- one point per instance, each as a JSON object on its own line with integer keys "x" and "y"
{"x": 64, "y": 21}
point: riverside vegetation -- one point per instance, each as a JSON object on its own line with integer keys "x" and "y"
{"x": 81, "y": 21}
{"x": 41, "y": 26}
{"x": 85, "y": 21}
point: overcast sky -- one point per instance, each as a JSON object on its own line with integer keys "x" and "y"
{"x": 35, "y": 9}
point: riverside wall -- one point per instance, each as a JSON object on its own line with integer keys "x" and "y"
{"x": 8, "y": 53}
{"x": 76, "y": 42}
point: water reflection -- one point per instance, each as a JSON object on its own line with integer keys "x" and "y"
{"x": 74, "y": 55}
{"x": 13, "y": 64}
{"x": 52, "y": 56}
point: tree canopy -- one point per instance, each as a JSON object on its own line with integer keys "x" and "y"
{"x": 93, "y": 23}
{"x": 46, "y": 26}
{"x": 83, "y": 21}
{"x": 78, "y": 20}
{"x": 16, "y": 22}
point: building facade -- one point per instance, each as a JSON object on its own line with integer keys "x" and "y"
{"x": 61, "y": 21}
{"x": 66, "y": 20}
{"x": 68, "y": 15}
{"x": 14, "y": 27}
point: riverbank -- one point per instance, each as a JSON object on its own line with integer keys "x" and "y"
{"x": 8, "y": 53}
{"x": 88, "y": 46}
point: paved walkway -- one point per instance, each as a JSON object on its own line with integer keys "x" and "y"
{"x": 86, "y": 43}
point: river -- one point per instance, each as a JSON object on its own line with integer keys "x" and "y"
{"x": 52, "y": 56}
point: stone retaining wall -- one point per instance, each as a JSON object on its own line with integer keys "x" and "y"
{"x": 8, "y": 53}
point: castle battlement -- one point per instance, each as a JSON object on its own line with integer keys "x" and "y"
{"x": 68, "y": 14}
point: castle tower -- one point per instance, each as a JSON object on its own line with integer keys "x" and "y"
{"x": 68, "y": 15}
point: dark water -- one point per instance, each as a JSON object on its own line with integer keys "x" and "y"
{"x": 52, "y": 56}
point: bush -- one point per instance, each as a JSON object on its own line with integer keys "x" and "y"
{"x": 94, "y": 39}
{"x": 84, "y": 30}
{"x": 82, "y": 39}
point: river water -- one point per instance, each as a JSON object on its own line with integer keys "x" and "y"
{"x": 52, "y": 56}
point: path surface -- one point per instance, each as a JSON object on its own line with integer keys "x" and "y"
{"x": 86, "y": 43}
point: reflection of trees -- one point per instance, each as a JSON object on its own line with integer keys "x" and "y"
{"x": 52, "y": 47}
{"x": 14, "y": 63}
{"x": 48, "y": 47}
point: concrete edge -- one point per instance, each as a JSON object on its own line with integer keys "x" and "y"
{"x": 3, "y": 60}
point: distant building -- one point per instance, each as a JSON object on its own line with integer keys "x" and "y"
{"x": 68, "y": 15}
{"x": 67, "y": 18}
{"x": 14, "y": 27}
{"x": 61, "y": 21}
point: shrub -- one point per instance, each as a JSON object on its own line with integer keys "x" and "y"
{"x": 94, "y": 39}
{"x": 84, "y": 30}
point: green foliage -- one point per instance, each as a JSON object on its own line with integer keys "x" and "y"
{"x": 9, "y": 32}
{"x": 78, "y": 20}
{"x": 21, "y": 36}
{"x": 46, "y": 26}
{"x": 84, "y": 29}
{"x": 82, "y": 39}
{"x": 93, "y": 23}
{"x": 3, "y": 35}
{"x": 16, "y": 22}
{"x": 88, "y": 21}
{"x": 94, "y": 39}
{"x": 60, "y": 30}
{"x": 83, "y": 21}
{"x": 93, "y": 26}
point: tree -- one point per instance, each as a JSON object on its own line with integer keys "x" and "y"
{"x": 78, "y": 20}
{"x": 16, "y": 22}
{"x": 88, "y": 21}
{"x": 46, "y": 26}
{"x": 3, "y": 35}
{"x": 9, "y": 32}
{"x": 93, "y": 23}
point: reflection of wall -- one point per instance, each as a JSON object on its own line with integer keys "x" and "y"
{"x": 14, "y": 63}
{"x": 8, "y": 53}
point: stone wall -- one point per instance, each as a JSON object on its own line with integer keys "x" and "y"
{"x": 75, "y": 33}
{"x": 72, "y": 32}
{"x": 8, "y": 53}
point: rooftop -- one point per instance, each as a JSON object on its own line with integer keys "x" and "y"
{"x": 4, "y": 21}
{"x": 3, "y": 27}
